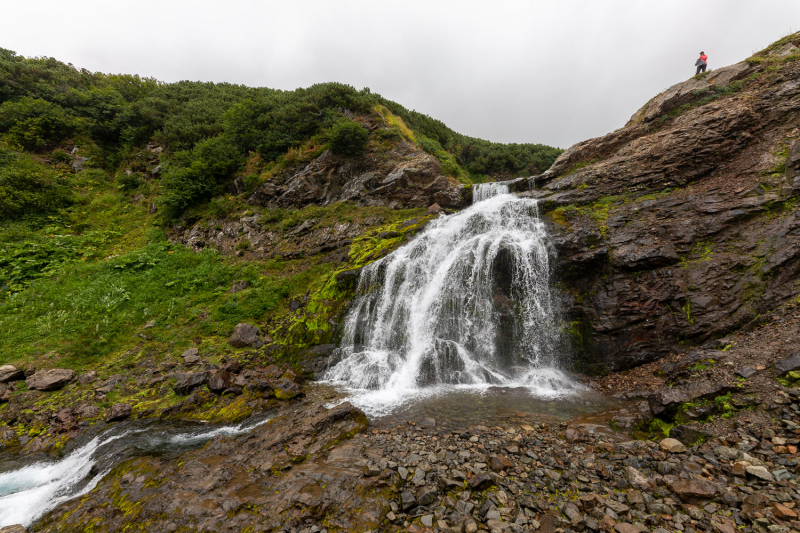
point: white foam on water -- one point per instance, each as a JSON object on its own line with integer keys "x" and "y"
{"x": 29, "y": 492}
{"x": 467, "y": 304}
{"x": 484, "y": 191}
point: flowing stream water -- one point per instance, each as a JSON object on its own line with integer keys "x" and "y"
{"x": 466, "y": 305}
{"x": 29, "y": 489}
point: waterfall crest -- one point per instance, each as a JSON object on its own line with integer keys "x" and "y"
{"x": 466, "y": 304}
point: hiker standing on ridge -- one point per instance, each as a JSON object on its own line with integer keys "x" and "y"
{"x": 701, "y": 63}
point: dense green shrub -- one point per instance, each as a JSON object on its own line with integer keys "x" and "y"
{"x": 476, "y": 155}
{"x": 348, "y": 138}
{"x": 389, "y": 134}
{"x": 27, "y": 186}
{"x": 32, "y": 122}
{"x": 200, "y": 173}
{"x": 208, "y": 129}
{"x": 129, "y": 182}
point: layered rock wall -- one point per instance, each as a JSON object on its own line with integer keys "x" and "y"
{"x": 683, "y": 225}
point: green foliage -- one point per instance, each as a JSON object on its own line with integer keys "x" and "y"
{"x": 129, "y": 182}
{"x": 477, "y": 156}
{"x": 44, "y": 102}
{"x": 449, "y": 164}
{"x": 88, "y": 309}
{"x": 391, "y": 135}
{"x": 27, "y": 186}
{"x": 348, "y": 138}
{"x": 22, "y": 261}
{"x": 200, "y": 173}
{"x": 33, "y": 123}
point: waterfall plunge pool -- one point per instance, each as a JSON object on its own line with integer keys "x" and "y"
{"x": 462, "y": 323}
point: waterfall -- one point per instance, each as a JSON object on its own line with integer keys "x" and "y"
{"x": 466, "y": 304}
{"x": 484, "y": 191}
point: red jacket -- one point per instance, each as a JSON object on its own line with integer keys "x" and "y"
{"x": 704, "y": 58}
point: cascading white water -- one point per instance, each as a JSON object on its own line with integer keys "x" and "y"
{"x": 466, "y": 304}
{"x": 28, "y": 492}
{"x": 484, "y": 191}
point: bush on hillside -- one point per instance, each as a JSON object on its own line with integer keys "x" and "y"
{"x": 32, "y": 122}
{"x": 348, "y": 138}
{"x": 200, "y": 173}
{"x": 43, "y": 101}
{"x": 28, "y": 187}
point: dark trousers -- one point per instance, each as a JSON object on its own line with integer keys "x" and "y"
{"x": 700, "y": 68}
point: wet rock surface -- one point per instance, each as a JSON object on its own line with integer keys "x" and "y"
{"x": 283, "y": 474}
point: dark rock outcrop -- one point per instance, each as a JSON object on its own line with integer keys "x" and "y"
{"x": 403, "y": 177}
{"x": 680, "y": 227}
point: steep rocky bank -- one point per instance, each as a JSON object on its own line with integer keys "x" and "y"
{"x": 682, "y": 226}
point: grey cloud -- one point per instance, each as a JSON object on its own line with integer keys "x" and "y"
{"x": 554, "y": 72}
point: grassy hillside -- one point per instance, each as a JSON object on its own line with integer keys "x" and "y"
{"x": 94, "y": 166}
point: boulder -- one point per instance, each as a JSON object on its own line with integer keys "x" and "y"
{"x": 426, "y": 495}
{"x": 687, "y": 435}
{"x": 191, "y": 356}
{"x": 245, "y": 335}
{"x": 638, "y": 480}
{"x": 666, "y": 401}
{"x": 286, "y": 389}
{"x": 790, "y": 363}
{"x": 783, "y": 512}
{"x": 624, "y": 527}
{"x": 675, "y": 96}
{"x": 725, "y": 75}
{"x": 119, "y": 411}
{"x": 5, "y": 392}
{"x": 87, "y": 377}
{"x": 481, "y": 482}
{"x": 186, "y": 381}
{"x": 428, "y": 423}
{"x": 11, "y": 373}
{"x": 50, "y": 380}
{"x": 672, "y": 446}
{"x": 786, "y": 50}
{"x": 407, "y": 500}
{"x": 695, "y": 489}
{"x": 88, "y": 411}
{"x": 759, "y": 472}
{"x": 435, "y": 209}
{"x": 12, "y": 529}
{"x": 499, "y": 463}
{"x": 219, "y": 381}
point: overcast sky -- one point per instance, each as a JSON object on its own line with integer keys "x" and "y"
{"x": 549, "y": 71}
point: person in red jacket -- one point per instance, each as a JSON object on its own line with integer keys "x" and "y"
{"x": 701, "y": 63}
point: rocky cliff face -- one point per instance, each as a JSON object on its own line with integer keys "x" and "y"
{"x": 683, "y": 225}
{"x": 402, "y": 177}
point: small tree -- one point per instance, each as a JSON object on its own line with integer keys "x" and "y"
{"x": 348, "y": 138}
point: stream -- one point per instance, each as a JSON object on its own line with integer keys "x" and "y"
{"x": 29, "y": 486}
